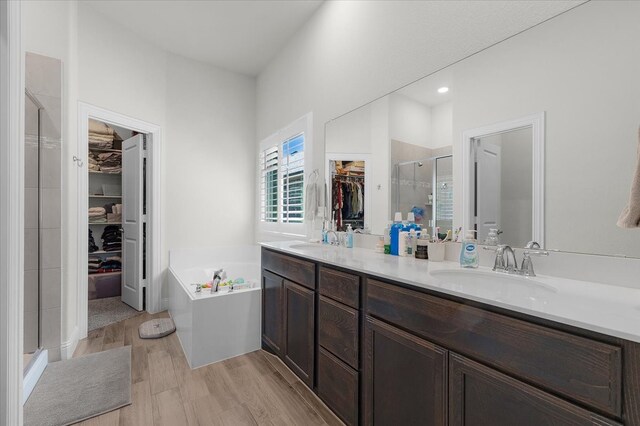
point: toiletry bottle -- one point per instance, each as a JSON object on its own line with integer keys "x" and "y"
{"x": 380, "y": 245}
{"x": 349, "y": 237}
{"x": 412, "y": 243}
{"x": 403, "y": 236}
{"x": 411, "y": 222}
{"x": 422, "y": 248}
{"x": 469, "y": 253}
{"x": 395, "y": 233}
{"x": 325, "y": 229}
{"x": 387, "y": 238}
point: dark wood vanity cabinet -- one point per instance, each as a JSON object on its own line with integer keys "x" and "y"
{"x": 479, "y": 395}
{"x": 405, "y": 378}
{"x": 383, "y": 353}
{"x": 339, "y": 342}
{"x": 299, "y": 329}
{"x": 272, "y": 311}
{"x": 288, "y": 312}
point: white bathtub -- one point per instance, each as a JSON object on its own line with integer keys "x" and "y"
{"x": 215, "y": 326}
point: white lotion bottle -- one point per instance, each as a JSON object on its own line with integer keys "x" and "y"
{"x": 469, "y": 253}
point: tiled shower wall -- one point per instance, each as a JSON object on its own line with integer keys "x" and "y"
{"x": 43, "y": 181}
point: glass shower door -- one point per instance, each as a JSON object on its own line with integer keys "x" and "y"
{"x": 32, "y": 215}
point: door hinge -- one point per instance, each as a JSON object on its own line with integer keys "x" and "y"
{"x": 144, "y": 218}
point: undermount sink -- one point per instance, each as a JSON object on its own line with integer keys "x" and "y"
{"x": 495, "y": 285}
{"x": 307, "y": 246}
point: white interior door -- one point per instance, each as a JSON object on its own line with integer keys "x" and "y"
{"x": 132, "y": 221}
{"x": 488, "y": 187}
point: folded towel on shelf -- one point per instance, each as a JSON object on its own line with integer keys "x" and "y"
{"x": 100, "y": 145}
{"x": 95, "y": 137}
{"x": 97, "y": 211}
{"x": 94, "y": 167}
{"x": 630, "y": 216}
{"x": 99, "y": 127}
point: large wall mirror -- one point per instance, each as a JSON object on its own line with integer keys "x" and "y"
{"x": 442, "y": 147}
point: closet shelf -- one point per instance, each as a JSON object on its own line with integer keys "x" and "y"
{"x": 105, "y": 273}
{"x": 104, "y": 150}
{"x": 105, "y": 223}
{"x": 97, "y": 172}
{"x": 104, "y": 196}
{"x": 105, "y": 252}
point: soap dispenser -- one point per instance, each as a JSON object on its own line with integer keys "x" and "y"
{"x": 349, "y": 238}
{"x": 469, "y": 253}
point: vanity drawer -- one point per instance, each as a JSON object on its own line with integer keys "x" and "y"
{"x": 338, "y": 330}
{"x": 294, "y": 269}
{"x": 578, "y": 368}
{"x": 338, "y": 387}
{"x": 340, "y": 286}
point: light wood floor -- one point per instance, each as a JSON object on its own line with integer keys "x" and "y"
{"x": 252, "y": 389}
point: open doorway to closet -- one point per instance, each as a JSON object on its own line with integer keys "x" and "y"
{"x": 118, "y": 218}
{"x": 116, "y": 215}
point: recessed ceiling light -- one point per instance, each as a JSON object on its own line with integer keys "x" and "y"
{"x": 443, "y": 90}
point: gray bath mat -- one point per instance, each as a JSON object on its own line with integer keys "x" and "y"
{"x": 156, "y": 328}
{"x": 80, "y": 388}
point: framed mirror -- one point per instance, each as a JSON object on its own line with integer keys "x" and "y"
{"x": 503, "y": 180}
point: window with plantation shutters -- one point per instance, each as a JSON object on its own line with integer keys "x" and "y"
{"x": 292, "y": 169}
{"x": 269, "y": 184}
{"x": 281, "y": 173}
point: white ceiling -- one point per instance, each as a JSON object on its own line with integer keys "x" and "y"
{"x": 240, "y": 35}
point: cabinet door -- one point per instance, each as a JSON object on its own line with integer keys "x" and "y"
{"x": 299, "y": 330}
{"x": 480, "y": 395}
{"x": 338, "y": 386}
{"x": 272, "y": 311}
{"x": 404, "y": 378}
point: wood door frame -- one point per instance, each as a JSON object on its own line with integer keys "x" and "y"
{"x": 153, "y": 297}
{"x": 11, "y": 213}
{"x": 536, "y": 122}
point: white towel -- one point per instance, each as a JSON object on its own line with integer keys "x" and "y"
{"x": 311, "y": 201}
{"x": 630, "y": 216}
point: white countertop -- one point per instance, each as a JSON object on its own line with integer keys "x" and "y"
{"x": 603, "y": 308}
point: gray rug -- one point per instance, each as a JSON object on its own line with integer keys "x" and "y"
{"x": 80, "y": 388}
{"x": 103, "y": 312}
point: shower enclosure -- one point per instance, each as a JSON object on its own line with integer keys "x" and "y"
{"x": 42, "y": 216}
{"x": 32, "y": 220}
{"x": 425, "y": 187}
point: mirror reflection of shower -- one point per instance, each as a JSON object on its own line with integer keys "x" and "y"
{"x": 413, "y": 184}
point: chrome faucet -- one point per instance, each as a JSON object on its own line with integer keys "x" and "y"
{"x": 218, "y": 276}
{"x": 336, "y": 239}
{"x": 510, "y": 265}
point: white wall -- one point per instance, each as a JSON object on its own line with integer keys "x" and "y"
{"x": 207, "y": 118}
{"x": 409, "y": 121}
{"x": 442, "y": 125}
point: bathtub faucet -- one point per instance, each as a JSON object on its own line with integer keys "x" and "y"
{"x": 218, "y": 276}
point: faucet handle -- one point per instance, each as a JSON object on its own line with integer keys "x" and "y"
{"x": 527, "y": 264}
{"x": 532, "y": 245}
{"x": 528, "y": 253}
{"x": 498, "y": 264}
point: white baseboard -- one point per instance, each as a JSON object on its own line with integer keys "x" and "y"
{"x": 69, "y": 347}
{"x": 33, "y": 375}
